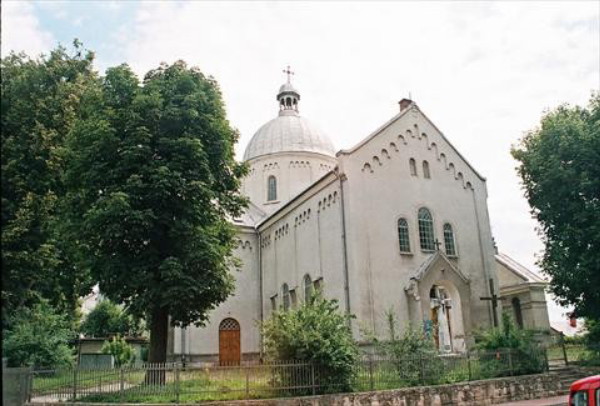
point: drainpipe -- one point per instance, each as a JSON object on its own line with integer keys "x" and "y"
{"x": 260, "y": 292}
{"x": 342, "y": 177}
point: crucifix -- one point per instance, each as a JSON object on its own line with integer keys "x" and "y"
{"x": 494, "y": 299}
{"x": 437, "y": 244}
{"x": 288, "y": 72}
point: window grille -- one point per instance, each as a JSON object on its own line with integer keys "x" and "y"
{"x": 272, "y": 188}
{"x": 229, "y": 324}
{"x": 426, "y": 236}
{"x": 449, "y": 240}
{"x": 426, "y": 173}
{"x": 413, "y": 166}
{"x": 403, "y": 236}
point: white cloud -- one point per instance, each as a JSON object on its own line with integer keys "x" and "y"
{"x": 21, "y": 30}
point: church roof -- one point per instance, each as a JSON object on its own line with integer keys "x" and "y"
{"x": 288, "y": 133}
{"x": 518, "y": 269}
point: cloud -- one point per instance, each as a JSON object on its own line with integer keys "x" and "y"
{"x": 21, "y": 30}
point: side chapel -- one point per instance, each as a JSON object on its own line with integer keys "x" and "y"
{"x": 399, "y": 221}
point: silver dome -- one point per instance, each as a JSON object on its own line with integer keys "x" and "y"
{"x": 289, "y": 132}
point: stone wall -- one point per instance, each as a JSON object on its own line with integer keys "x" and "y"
{"x": 476, "y": 393}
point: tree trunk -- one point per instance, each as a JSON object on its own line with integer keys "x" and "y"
{"x": 157, "y": 356}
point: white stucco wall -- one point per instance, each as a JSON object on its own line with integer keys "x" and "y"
{"x": 294, "y": 173}
{"x": 380, "y": 189}
{"x": 243, "y": 306}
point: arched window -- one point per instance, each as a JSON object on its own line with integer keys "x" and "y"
{"x": 308, "y": 288}
{"x": 286, "y": 296}
{"x": 413, "y": 166}
{"x": 516, "y": 305}
{"x": 449, "y": 240}
{"x": 272, "y": 188}
{"x": 403, "y": 237}
{"x": 426, "y": 236}
{"x": 426, "y": 173}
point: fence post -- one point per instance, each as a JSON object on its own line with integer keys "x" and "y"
{"x": 547, "y": 362}
{"x": 74, "y": 384}
{"x": 564, "y": 348}
{"x": 371, "y": 381}
{"x": 247, "y": 382}
{"x": 469, "y": 364}
{"x": 312, "y": 378}
{"x": 176, "y": 383}
{"x": 510, "y": 364}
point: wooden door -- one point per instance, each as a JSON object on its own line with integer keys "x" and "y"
{"x": 229, "y": 342}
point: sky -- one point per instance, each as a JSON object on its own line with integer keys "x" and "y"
{"x": 483, "y": 72}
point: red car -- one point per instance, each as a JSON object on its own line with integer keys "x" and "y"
{"x": 585, "y": 392}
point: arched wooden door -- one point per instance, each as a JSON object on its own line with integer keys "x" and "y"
{"x": 229, "y": 342}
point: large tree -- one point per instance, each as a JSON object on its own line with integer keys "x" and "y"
{"x": 40, "y": 105}
{"x": 152, "y": 180}
{"x": 559, "y": 163}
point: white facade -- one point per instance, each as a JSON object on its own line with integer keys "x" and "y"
{"x": 332, "y": 219}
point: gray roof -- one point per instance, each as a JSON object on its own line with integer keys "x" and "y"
{"x": 289, "y": 132}
{"x": 520, "y": 270}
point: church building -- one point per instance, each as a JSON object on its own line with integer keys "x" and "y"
{"x": 397, "y": 222}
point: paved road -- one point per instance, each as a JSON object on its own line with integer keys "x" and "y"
{"x": 553, "y": 401}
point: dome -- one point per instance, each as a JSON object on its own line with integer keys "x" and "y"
{"x": 287, "y": 88}
{"x": 289, "y": 132}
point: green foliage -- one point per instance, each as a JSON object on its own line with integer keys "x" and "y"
{"x": 151, "y": 180}
{"x": 38, "y": 336}
{"x": 508, "y": 341}
{"x": 317, "y": 333}
{"x": 559, "y": 164}
{"x": 413, "y": 354}
{"x": 107, "y": 319}
{"x": 40, "y": 102}
{"x": 123, "y": 353}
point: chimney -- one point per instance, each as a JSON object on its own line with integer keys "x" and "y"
{"x": 404, "y": 103}
{"x": 573, "y": 321}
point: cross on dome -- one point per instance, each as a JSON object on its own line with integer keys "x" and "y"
{"x": 289, "y": 72}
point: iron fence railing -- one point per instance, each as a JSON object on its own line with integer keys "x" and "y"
{"x": 191, "y": 383}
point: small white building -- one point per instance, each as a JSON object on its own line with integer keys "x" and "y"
{"x": 399, "y": 221}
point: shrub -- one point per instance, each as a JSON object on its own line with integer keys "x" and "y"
{"x": 107, "y": 319}
{"x": 315, "y": 333}
{"x": 123, "y": 353}
{"x": 38, "y": 337}
{"x": 514, "y": 350}
{"x": 413, "y": 354}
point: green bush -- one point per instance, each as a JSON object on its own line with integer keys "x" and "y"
{"x": 107, "y": 319}
{"x": 39, "y": 337}
{"x": 123, "y": 353}
{"x": 315, "y": 333}
{"x": 508, "y": 350}
{"x": 413, "y": 354}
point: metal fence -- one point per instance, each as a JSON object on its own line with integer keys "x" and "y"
{"x": 174, "y": 382}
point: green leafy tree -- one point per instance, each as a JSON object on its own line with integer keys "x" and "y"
{"x": 40, "y": 101}
{"x": 152, "y": 179}
{"x": 38, "y": 336}
{"x": 107, "y": 319}
{"x": 316, "y": 333}
{"x": 559, "y": 163}
{"x": 123, "y": 353}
